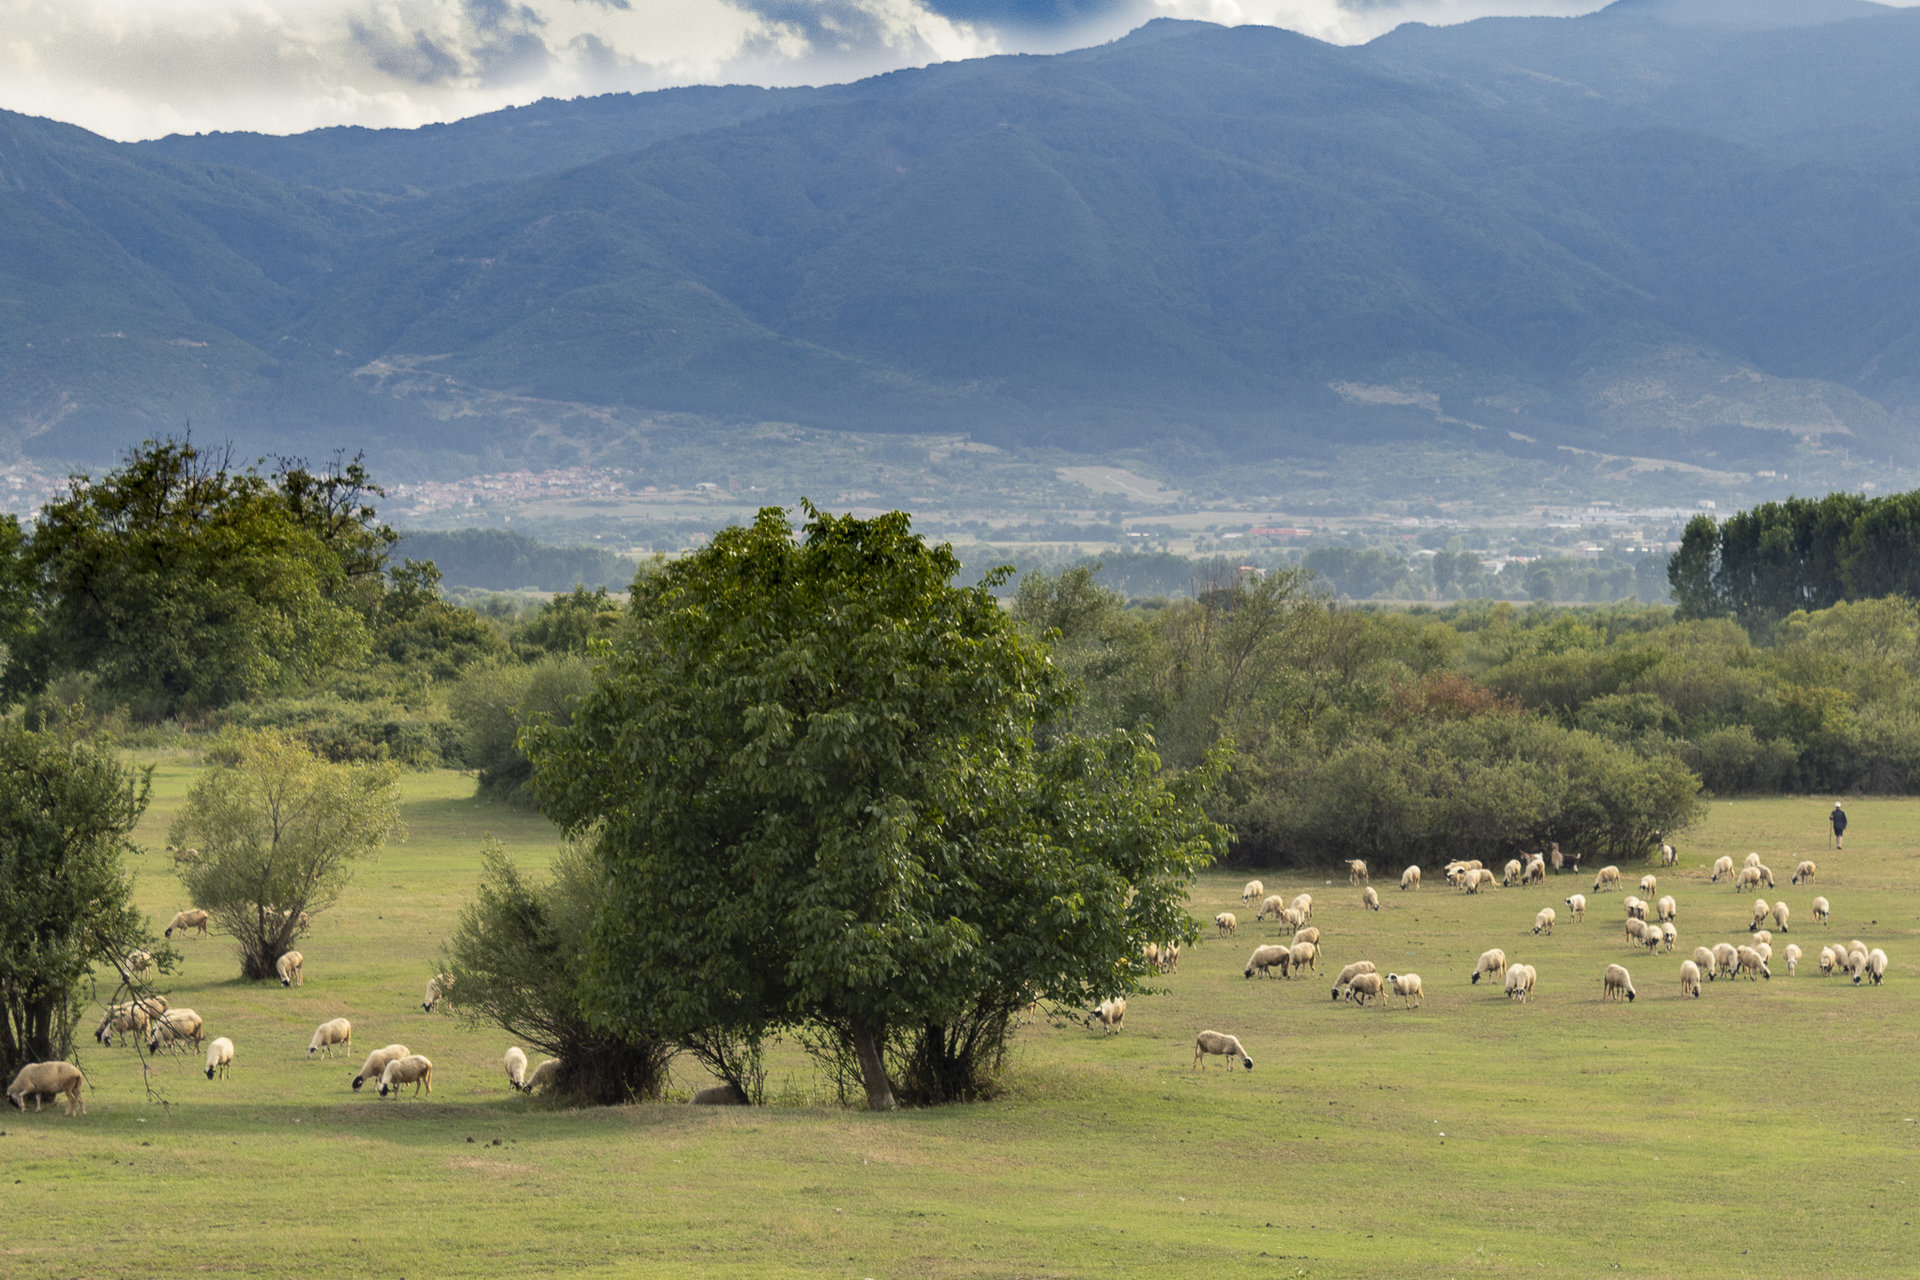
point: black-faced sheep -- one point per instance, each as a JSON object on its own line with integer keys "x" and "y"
{"x": 1520, "y": 980}
{"x": 1254, "y": 889}
{"x": 1410, "y": 878}
{"x": 174, "y": 1024}
{"x": 1751, "y": 962}
{"x": 1821, "y": 910}
{"x": 1536, "y": 872}
{"x": 1273, "y": 904}
{"x": 1876, "y": 966}
{"x": 1608, "y": 877}
{"x": 1667, "y": 908}
{"x": 515, "y": 1062}
{"x": 1348, "y": 974}
{"x": 1793, "y": 958}
{"x": 1493, "y": 964}
{"x": 1804, "y": 872}
{"x": 1543, "y": 920}
{"x": 1364, "y": 987}
{"x": 1577, "y": 904}
{"x": 289, "y": 966}
{"x": 1110, "y": 1013}
{"x": 1726, "y": 957}
{"x": 1704, "y": 958}
{"x": 1616, "y": 983}
{"x": 1356, "y": 872}
{"x": 58, "y": 1080}
{"x": 1219, "y": 1042}
{"x": 1407, "y": 987}
{"x": 1649, "y": 885}
{"x": 377, "y": 1062}
{"x": 334, "y": 1031}
{"x": 1780, "y": 914}
{"x": 1369, "y": 899}
{"x": 1226, "y": 922}
{"x": 1722, "y": 866}
{"x": 1761, "y": 910}
{"x": 1669, "y": 856}
{"x": 1511, "y": 873}
{"x": 1689, "y": 979}
{"x": 192, "y": 918}
{"x": 412, "y": 1069}
{"x": 1265, "y": 958}
{"x": 219, "y": 1057}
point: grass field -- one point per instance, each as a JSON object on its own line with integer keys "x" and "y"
{"x": 1767, "y": 1129}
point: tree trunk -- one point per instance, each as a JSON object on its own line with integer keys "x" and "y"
{"x": 873, "y": 1067}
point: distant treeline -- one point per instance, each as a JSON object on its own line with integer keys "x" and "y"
{"x": 498, "y": 560}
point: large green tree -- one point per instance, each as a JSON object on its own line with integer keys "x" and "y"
{"x": 67, "y": 812}
{"x": 183, "y": 582}
{"x": 836, "y": 793}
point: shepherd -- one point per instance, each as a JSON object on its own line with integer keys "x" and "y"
{"x": 1839, "y": 820}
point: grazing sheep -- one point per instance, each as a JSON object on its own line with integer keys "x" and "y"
{"x": 1636, "y": 907}
{"x": 1226, "y": 922}
{"x": 1364, "y": 987}
{"x": 1669, "y": 856}
{"x": 547, "y": 1072}
{"x": 1520, "y": 980}
{"x": 1725, "y": 957}
{"x": 1615, "y": 983}
{"x": 1356, "y": 872}
{"x": 516, "y": 1064}
{"x": 1221, "y": 1043}
{"x": 1636, "y": 930}
{"x": 1273, "y": 904}
{"x": 1253, "y": 890}
{"x": 1761, "y": 910}
{"x": 1746, "y": 878}
{"x": 1804, "y": 872}
{"x": 1170, "y": 958}
{"x": 1766, "y": 875}
{"x": 1454, "y": 872}
{"x": 1609, "y": 876}
{"x": 1410, "y": 878}
{"x": 377, "y": 1062}
{"x": 191, "y": 918}
{"x": 1753, "y": 860}
{"x": 1407, "y": 987}
{"x": 412, "y": 1069}
{"x": 123, "y": 1019}
{"x": 1760, "y": 936}
{"x": 1265, "y": 958}
{"x": 1493, "y": 963}
{"x": 1793, "y": 958}
{"x": 1667, "y": 908}
{"x": 1578, "y": 905}
{"x": 1856, "y": 962}
{"x": 1293, "y": 918}
{"x": 1827, "y": 962}
{"x": 1543, "y": 921}
{"x": 335, "y": 1031}
{"x": 288, "y": 967}
{"x": 174, "y": 1024}
{"x": 1309, "y": 934}
{"x": 1649, "y": 884}
{"x": 1303, "y": 903}
{"x": 1669, "y": 936}
{"x": 1302, "y": 955}
{"x": 1750, "y": 962}
{"x": 1111, "y": 1013}
{"x": 1876, "y": 966}
{"x": 139, "y": 962}
{"x": 1704, "y": 958}
{"x": 56, "y": 1080}
{"x": 1151, "y": 951}
{"x": 1689, "y": 979}
{"x": 1821, "y": 910}
{"x": 1348, "y": 974}
{"x": 219, "y": 1057}
{"x": 1369, "y": 899}
{"x": 1766, "y": 951}
{"x": 437, "y": 988}
{"x": 1511, "y": 873}
{"x": 1780, "y": 914}
{"x": 1475, "y": 881}
{"x": 1722, "y": 866}
{"x": 1536, "y": 872}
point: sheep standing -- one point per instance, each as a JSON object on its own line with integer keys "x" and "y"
{"x": 1348, "y": 974}
{"x": 174, "y": 1024}
{"x": 123, "y": 1019}
{"x": 1856, "y": 962}
{"x": 1689, "y": 979}
{"x": 1265, "y": 958}
{"x": 1273, "y": 904}
{"x": 1725, "y": 957}
{"x": 1536, "y": 872}
{"x": 516, "y": 1064}
{"x": 1356, "y": 872}
{"x": 1410, "y": 878}
{"x": 1616, "y": 982}
{"x": 1746, "y": 878}
{"x": 139, "y": 962}
{"x": 1308, "y": 934}
{"x": 1608, "y": 877}
{"x": 1766, "y": 875}
{"x": 1543, "y": 921}
{"x": 1365, "y": 986}
{"x": 1219, "y": 1042}
{"x": 1704, "y": 958}
{"x": 1407, "y": 987}
{"x": 1511, "y": 873}
{"x": 1667, "y": 908}
{"x": 1636, "y": 930}
{"x": 1303, "y": 955}
{"x": 1577, "y": 904}
{"x": 1636, "y": 909}
{"x": 335, "y": 1031}
{"x": 1303, "y": 903}
{"x": 412, "y": 1069}
{"x": 289, "y": 967}
{"x": 1649, "y": 885}
{"x": 1876, "y": 967}
{"x": 377, "y": 1062}
{"x": 1669, "y": 936}
{"x": 1761, "y": 910}
{"x": 1722, "y": 866}
{"x": 58, "y": 1080}
{"x": 1752, "y": 860}
{"x": 1669, "y": 856}
{"x": 1750, "y": 962}
{"x": 1254, "y": 889}
{"x": 1793, "y": 958}
{"x": 1226, "y": 922}
{"x": 1369, "y": 899}
{"x": 546, "y": 1073}
{"x": 1827, "y": 962}
{"x": 219, "y": 1057}
{"x": 1821, "y": 910}
{"x": 1780, "y": 914}
{"x": 1520, "y": 980}
{"x": 437, "y": 987}
{"x": 1760, "y": 936}
{"x": 192, "y": 918}
{"x": 1493, "y": 964}
{"x": 1111, "y": 1013}
{"x": 1804, "y": 872}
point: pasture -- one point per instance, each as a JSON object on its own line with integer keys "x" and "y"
{"x": 1766, "y": 1129}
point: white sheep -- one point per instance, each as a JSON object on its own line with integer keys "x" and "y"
{"x": 1265, "y": 958}
{"x": 1760, "y": 936}
{"x": 1609, "y": 876}
{"x": 1407, "y": 987}
{"x": 174, "y": 1024}
{"x": 1617, "y": 982}
{"x": 1876, "y": 966}
{"x": 1511, "y": 873}
{"x": 1348, "y": 974}
{"x": 1110, "y": 1013}
{"x": 1637, "y": 930}
{"x": 377, "y": 1062}
{"x": 1766, "y": 951}
{"x": 1761, "y": 910}
{"x": 1520, "y": 980}
{"x": 1536, "y": 872}
{"x": 60, "y": 1081}
{"x": 1369, "y": 899}
{"x": 1649, "y": 885}
{"x": 192, "y": 918}
{"x": 1219, "y": 1042}
{"x": 335, "y": 1031}
{"x": 1151, "y": 950}
{"x": 1856, "y": 961}
{"x": 1766, "y": 875}
{"x": 1226, "y": 922}
{"x": 1669, "y": 936}
{"x": 1690, "y": 979}
{"x": 1309, "y": 934}
{"x": 516, "y": 1064}
{"x": 1303, "y": 955}
{"x": 1365, "y": 986}
{"x": 219, "y": 1057}
{"x": 1273, "y": 904}
{"x": 1722, "y": 866}
{"x": 1493, "y": 964}
{"x": 1725, "y": 958}
{"x": 1543, "y": 921}
{"x": 1667, "y": 908}
{"x": 547, "y": 1072}
{"x": 1303, "y": 903}
{"x": 1636, "y": 908}
{"x": 1746, "y": 878}
{"x": 1475, "y": 881}
{"x": 1753, "y": 860}
{"x": 1804, "y": 872}
{"x": 124, "y": 1019}
{"x": 437, "y": 988}
{"x": 1410, "y": 878}
{"x": 1292, "y": 918}
{"x": 1704, "y": 958}
{"x": 139, "y": 962}
{"x": 1821, "y": 910}
{"x": 1793, "y": 958}
{"x": 1749, "y": 961}
{"x": 1170, "y": 958}
{"x": 1577, "y": 904}
{"x": 1254, "y": 889}
{"x": 1827, "y": 962}
{"x": 412, "y": 1069}
{"x": 1669, "y": 856}
{"x": 1780, "y": 914}
{"x": 289, "y": 967}
{"x": 1356, "y": 872}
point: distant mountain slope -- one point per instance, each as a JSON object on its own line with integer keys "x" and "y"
{"x": 1650, "y": 230}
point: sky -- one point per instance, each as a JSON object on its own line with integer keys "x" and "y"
{"x": 143, "y": 68}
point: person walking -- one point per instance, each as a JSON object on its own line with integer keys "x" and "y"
{"x": 1839, "y": 820}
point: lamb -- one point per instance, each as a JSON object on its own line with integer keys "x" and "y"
{"x": 56, "y": 1080}
{"x": 1265, "y": 958}
{"x": 191, "y": 918}
{"x": 1410, "y": 878}
{"x": 1273, "y": 905}
{"x": 1649, "y": 884}
{"x": 1511, "y": 873}
{"x": 1348, "y": 974}
{"x": 377, "y": 1062}
{"x": 174, "y": 1024}
{"x": 1761, "y": 910}
{"x": 1704, "y": 958}
{"x": 1308, "y": 934}
{"x": 1253, "y": 890}
{"x": 1876, "y": 966}
{"x": 546, "y": 1073}
{"x": 516, "y": 1065}
{"x": 412, "y": 1069}
{"x": 1520, "y": 980}
{"x": 1821, "y": 910}
{"x": 1804, "y": 872}
{"x": 219, "y": 1057}
{"x": 1780, "y": 914}
{"x": 1302, "y": 956}
{"x": 1616, "y": 982}
{"x": 288, "y": 967}
{"x": 1407, "y": 987}
{"x": 1226, "y": 922}
{"x": 1689, "y": 979}
{"x": 437, "y": 987}
{"x": 1543, "y": 921}
{"x": 1793, "y": 958}
{"x": 1493, "y": 963}
{"x": 1356, "y": 872}
{"x": 1751, "y": 962}
{"x": 1365, "y": 986}
{"x": 1369, "y": 899}
{"x": 330, "y": 1033}
{"x": 1725, "y": 958}
{"x": 1722, "y": 866}
{"x": 1609, "y": 876}
{"x": 1578, "y": 905}
{"x": 1667, "y": 908}
{"x": 1221, "y": 1043}
{"x": 1111, "y": 1013}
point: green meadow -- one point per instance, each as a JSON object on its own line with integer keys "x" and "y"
{"x": 1766, "y": 1129}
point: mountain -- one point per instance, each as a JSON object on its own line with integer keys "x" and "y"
{"x": 1683, "y": 229}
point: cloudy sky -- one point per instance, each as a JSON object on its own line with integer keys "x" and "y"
{"x": 142, "y": 68}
